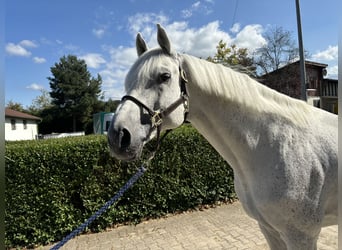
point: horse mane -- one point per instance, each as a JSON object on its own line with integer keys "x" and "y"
{"x": 231, "y": 85}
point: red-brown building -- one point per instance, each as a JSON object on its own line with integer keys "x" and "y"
{"x": 321, "y": 92}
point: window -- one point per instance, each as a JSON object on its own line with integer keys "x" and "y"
{"x": 13, "y": 124}
{"x": 25, "y": 124}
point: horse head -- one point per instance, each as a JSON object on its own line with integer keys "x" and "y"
{"x": 156, "y": 99}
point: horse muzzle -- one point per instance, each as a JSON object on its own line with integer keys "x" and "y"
{"x": 121, "y": 144}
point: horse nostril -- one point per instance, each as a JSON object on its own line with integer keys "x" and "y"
{"x": 125, "y": 139}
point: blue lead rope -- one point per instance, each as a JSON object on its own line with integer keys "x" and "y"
{"x": 80, "y": 229}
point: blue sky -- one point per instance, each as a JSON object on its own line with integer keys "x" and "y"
{"x": 38, "y": 33}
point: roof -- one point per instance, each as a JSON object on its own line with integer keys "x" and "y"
{"x": 322, "y": 65}
{"x": 307, "y": 63}
{"x": 17, "y": 114}
{"x": 330, "y": 80}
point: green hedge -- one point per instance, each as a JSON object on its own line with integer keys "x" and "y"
{"x": 53, "y": 185}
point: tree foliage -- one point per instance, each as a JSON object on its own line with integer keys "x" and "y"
{"x": 74, "y": 91}
{"x": 73, "y": 99}
{"x": 40, "y": 103}
{"x": 233, "y": 56}
{"x": 15, "y": 106}
{"x": 53, "y": 185}
{"x": 279, "y": 50}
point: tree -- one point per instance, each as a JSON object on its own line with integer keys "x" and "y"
{"x": 279, "y": 50}
{"x": 110, "y": 105}
{"x": 233, "y": 57}
{"x": 15, "y": 106}
{"x": 40, "y": 103}
{"x": 73, "y": 90}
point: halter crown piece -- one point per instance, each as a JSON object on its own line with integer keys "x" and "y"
{"x": 158, "y": 115}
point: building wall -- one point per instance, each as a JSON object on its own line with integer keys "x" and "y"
{"x": 287, "y": 80}
{"x": 329, "y": 96}
{"x": 330, "y": 104}
{"x": 20, "y": 133}
{"x": 321, "y": 93}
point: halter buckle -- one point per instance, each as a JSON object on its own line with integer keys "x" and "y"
{"x": 185, "y": 102}
{"x": 156, "y": 119}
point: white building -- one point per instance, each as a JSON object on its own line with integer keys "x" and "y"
{"x": 20, "y": 126}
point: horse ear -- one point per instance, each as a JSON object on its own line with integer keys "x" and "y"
{"x": 140, "y": 44}
{"x": 163, "y": 40}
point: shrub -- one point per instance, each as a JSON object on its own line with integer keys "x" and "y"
{"x": 53, "y": 185}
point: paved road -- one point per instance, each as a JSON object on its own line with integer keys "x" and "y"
{"x": 223, "y": 227}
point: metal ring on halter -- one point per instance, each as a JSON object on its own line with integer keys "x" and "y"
{"x": 156, "y": 119}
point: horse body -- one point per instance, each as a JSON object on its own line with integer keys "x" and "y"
{"x": 283, "y": 151}
{"x": 285, "y": 166}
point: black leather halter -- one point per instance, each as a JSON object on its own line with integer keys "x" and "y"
{"x": 157, "y": 116}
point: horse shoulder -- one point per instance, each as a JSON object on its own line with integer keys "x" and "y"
{"x": 296, "y": 175}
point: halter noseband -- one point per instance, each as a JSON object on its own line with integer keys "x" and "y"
{"x": 158, "y": 115}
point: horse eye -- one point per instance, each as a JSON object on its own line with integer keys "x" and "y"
{"x": 164, "y": 77}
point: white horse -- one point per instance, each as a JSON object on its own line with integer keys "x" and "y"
{"x": 282, "y": 150}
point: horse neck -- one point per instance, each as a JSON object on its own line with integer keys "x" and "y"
{"x": 231, "y": 110}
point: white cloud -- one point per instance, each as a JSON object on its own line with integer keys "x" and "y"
{"x": 330, "y": 54}
{"x": 236, "y": 28}
{"x": 71, "y": 47}
{"x": 332, "y": 72}
{"x": 17, "y": 50}
{"x": 121, "y": 57}
{"x": 28, "y": 44}
{"x": 93, "y": 60}
{"x": 250, "y": 37}
{"x": 114, "y": 93}
{"x": 145, "y": 22}
{"x": 186, "y": 13}
{"x": 20, "y": 49}
{"x": 35, "y": 86}
{"x": 200, "y": 42}
{"x": 330, "y": 57}
{"x": 39, "y": 59}
{"x": 99, "y": 33}
{"x": 197, "y": 7}
{"x": 113, "y": 76}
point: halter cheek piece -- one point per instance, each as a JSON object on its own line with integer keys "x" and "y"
{"x": 157, "y": 116}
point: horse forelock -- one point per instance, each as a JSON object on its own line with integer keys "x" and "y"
{"x": 145, "y": 66}
{"x": 227, "y": 84}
